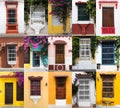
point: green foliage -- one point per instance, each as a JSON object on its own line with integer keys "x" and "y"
{"x": 75, "y": 48}
{"x": 93, "y": 47}
{"x": 61, "y": 9}
{"x": 91, "y": 9}
{"x": 36, "y": 3}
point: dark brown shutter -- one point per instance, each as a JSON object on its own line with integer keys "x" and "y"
{"x": 60, "y": 88}
{"x": 20, "y": 92}
{"x": 8, "y": 93}
{"x": 108, "y": 16}
{"x": 60, "y": 54}
{"x": 27, "y": 56}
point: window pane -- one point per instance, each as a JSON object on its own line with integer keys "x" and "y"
{"x": 11, "y": 16}
{"x": 59, "y": 53}
{"x": 82, "y": 15}
{"x": 108, "y": 53}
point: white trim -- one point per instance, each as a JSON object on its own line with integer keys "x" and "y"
{"x": 35, "y": 98}
{"x": 60, "y": 102}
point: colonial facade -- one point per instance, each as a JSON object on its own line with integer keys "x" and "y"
{"x": 36, "y": 90}
{"x": 60, "y": 85}
{"x": 11, "y": 52}
{"x": 82, "y": 23}
{"x": 11, "y": 92}
{"x": 107, "y": 89}
{"x": 60, "y": 53}
{"x": 107, "y": 56}
{"x": 35, "y": 53}
{"x": 37, "y": 24}
{"x": 54, "y": 25}
{"x": 12, "y": 20}
{"x": 86, "y": 95}
{"x": 82, "y": 57}
{"x": 107, "y": 14}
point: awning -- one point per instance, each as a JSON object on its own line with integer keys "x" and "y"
{"x": 79, "y": 3}
{"x": 35, "y": 78}
{"x": 59, "y": 42}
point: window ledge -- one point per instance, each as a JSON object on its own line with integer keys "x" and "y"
{"x": 108, "y": 100}
{"x": 11, "y": 62}
{"x": 35, "y": 98}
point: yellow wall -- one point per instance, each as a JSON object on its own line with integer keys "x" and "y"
{"x": 55, "y": 29}
{"x": 43, "y": 101}
{"x": 2, "y": 88}
{"x": 52, "y": 87}
{"x": 116, "y": 99}
{"x": 26, "y": 66}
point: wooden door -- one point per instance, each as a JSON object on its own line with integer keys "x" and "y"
{"x": 8, "y": 93}
{"x": 108, "y": 16}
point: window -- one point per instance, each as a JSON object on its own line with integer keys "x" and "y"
{"x": 82, "y": 15}
{"x": 11, "y": 16}
{"x": 59, "y": 53}
{"x": 27, "y": 56}
{"x": 107, "y": 86}
{"x": 108, "y": 16}
{"x": 60, "y": 87}
{"x": 36, "y": 58}
{"x": 84, "y": 48}
{"x": 84, "y": 89}
{"x": 35, "y": 87}
{"x": 11, "y": 51}
{"x": 108, "y": 52}
{"x": 38, "y": 14}
{"x": 55, "y": 19}
{"x": 20, "y": 92}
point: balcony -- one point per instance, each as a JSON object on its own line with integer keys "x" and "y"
{"x": 108, "y": 30}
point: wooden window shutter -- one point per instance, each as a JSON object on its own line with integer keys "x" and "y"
{"x": 20, "y": 92}
{"x": 60, "y": 54}
{"x": 27, "y": 56}
{"x": 108, "y": 16}
{"x": 60, "y": 88}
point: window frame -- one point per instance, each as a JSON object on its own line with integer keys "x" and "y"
{"x": 106, "y": 87}
{"x": 11, "y": 62}
{"x": 79, "y": 90}
{"x": 84, "y": 56}
{"x": 62, "y": 50}
{"x": 19, "y": 91}
{"x": 103, "y": 17}
{"x": 80, "y": 16}
{"x": 11, "y": 28}
{"x": 61, "y": 84}
{"x": 105, "y": 53}
{"x": 36, "y": 88}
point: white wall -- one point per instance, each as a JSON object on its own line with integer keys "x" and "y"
{"x": 3, "y": 17}
{"x": 75, "y": 13}
{"x": 99, "y": 18}
{"x": 99, "y": 60}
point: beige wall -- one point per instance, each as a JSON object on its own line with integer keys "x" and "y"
{"x": 43, "y": 101}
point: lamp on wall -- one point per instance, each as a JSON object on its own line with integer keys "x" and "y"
{"x": 46, "y": 84}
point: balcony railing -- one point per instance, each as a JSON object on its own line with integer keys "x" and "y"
{"x": 108, "y": 30}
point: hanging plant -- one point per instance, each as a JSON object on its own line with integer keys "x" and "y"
{"x": 75, "y": 48}
{"x": 20, "y": 76}
{"x": 94, "y": 44}
{"x": 35, "y": 42}
{"x": 61, "y": 9}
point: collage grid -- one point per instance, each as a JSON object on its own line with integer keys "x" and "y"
{"x": 59, "y": 54}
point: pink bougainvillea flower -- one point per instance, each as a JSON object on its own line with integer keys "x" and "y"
{"x": 35, "y": 45}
